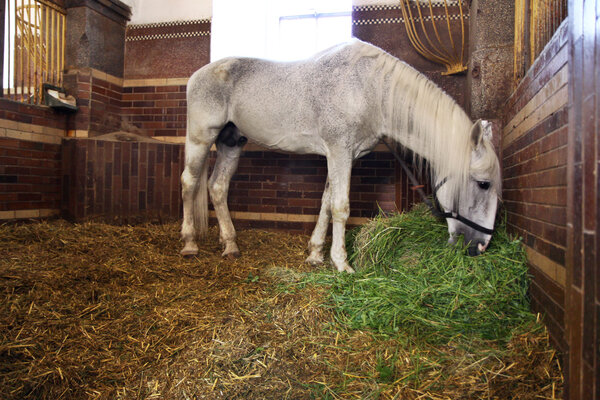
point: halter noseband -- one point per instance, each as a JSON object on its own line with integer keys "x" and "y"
{"x": 435, "y": 207}
{"x": 437, "y": 210}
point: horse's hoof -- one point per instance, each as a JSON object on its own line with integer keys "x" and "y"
{"x": 232, "y": 256}
{"x": 189, "y": 253}
{"x": 314, "y": 260}
{"x": 346, "y": 268}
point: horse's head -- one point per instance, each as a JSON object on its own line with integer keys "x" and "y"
{"x": 472, "y": 204}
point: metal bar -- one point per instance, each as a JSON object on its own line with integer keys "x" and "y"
{"x": 526, "y": 36}
{"x": 21, "y": 52}
{"x": 411, "y": 31}
{"x": 462, "y": 33}
{"x": 409, "y": 24}
{"x": 46, "y": 40}
{"x": 448, "y": 23}
{"x": 9, "y": 77}
{"x": 51, "y": 5}
{"x": 442, "y": 54}
{"x": 57, "y": 55}
{"x": 36, "y": 47}
{"x": 28, "y": 53}
{"x": 52, "y": 45}
{"x": 516, "y": 43}
{"x": 2, "y": 15}
{"x": 437, "y": 35}
{"x": 62, "y": 46}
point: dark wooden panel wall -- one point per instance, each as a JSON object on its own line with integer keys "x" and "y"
{"x": 583, "y": 240}
{"x": 534, "y": 159}
{"x": 551, "y": 155}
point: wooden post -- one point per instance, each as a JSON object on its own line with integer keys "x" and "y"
{"x": 2, "y": 17}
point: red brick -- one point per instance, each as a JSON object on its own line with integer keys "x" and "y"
{"x": 167, "y": 89}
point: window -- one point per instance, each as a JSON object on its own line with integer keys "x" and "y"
{"x": 278, "y": 29}
{"x": 34, "y": 48}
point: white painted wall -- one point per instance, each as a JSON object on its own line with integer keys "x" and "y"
{"x": 151, "y": 11}
{"x": 356, "y": 3}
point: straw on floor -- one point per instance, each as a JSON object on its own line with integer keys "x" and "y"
{"x": 112, "y": 312}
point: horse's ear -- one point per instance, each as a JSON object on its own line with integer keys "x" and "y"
{"x": 477, "y": 133}
{"x": 488, "y": 130}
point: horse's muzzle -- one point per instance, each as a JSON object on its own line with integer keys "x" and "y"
{"x": 477, "y": 248}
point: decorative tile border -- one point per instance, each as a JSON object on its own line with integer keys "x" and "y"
{"x": 400, "y": 20}
{"x": 168, "y": 30}
{"x": 30, "y": 132}
{"x": 385, "y": 7}
{"x": 28, "y": 214}
{"x": 176, "y": 35}
{"x": 155, "y": 82}
{"x": 172, "y": 23}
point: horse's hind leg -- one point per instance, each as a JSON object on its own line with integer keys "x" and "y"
{"x": 193, "y": 194}
{"x": 317, "y": 239}
{"x": 218, "y": 186}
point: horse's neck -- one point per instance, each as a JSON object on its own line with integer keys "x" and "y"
{"x": 423, "y": 118}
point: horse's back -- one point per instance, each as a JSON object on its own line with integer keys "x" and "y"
{"x": 231, "y": 71}
{"x": 280, "y": 104}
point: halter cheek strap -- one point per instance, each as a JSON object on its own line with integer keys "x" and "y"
{"x": 439, "y": 212}
{"x": 435, "y": 207}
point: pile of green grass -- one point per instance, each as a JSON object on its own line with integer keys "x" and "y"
{"x": 410, "y": 282}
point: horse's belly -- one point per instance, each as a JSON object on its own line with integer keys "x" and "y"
{"x": 287, "y": 131}
{"x": 288, "y": 140}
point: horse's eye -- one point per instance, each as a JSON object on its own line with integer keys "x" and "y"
{"x": 483, "y": 185}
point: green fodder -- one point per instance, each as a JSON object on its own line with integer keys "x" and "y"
{"x": 409, "y": 281}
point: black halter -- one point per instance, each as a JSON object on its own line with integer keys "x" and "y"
{"x": 435, "y": 206}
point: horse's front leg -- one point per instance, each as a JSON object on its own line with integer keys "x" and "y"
{"x": 218, "y": 186}
{"x": 317, "y": 239}
{"x": 339, "y": 170}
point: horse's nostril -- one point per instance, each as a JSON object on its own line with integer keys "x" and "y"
{"x": 473, "y": 250}
{"x": 482, "y": 246}
{"x": 476, "y": 248}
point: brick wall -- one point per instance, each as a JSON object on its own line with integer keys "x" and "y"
{"x": 99, "y": 101}
{"x": 29, "y": 115}
{"x": 29, "y": 178}
{"x": 159, "y": 59}
{"x": 121, "y": 181}
{"x": 156, "y": 108}
{"x": 166, "y": 49}
{"x": 283, "y": 191}
{"x": 29, "y": 160}
{"x": 534, "y": 158}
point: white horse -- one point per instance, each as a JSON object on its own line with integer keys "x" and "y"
{"x": 340, "y": 103}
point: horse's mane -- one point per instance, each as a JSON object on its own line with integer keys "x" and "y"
{"x": 423, "y": 118}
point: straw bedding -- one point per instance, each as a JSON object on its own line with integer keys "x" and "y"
{"x": 112, "y": 312}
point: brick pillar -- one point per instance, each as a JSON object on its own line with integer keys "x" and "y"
{"x": 94, "y": 60}
{"x": 489, "y": 78}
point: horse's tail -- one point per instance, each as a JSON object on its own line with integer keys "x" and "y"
{"x": 200, "y": 208}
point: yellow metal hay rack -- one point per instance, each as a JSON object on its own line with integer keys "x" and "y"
{"x": 439, "y": 44}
